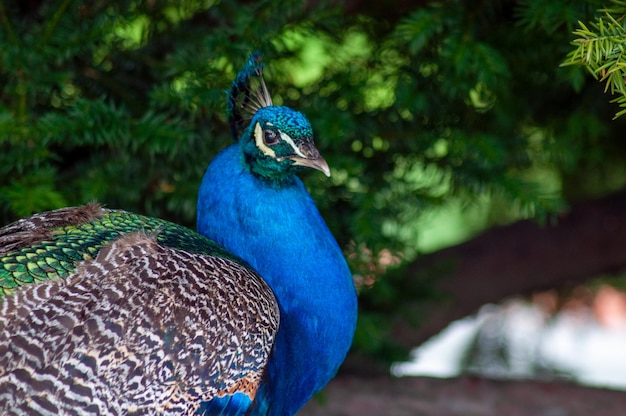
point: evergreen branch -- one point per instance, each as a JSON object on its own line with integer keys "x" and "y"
{"x": 600, "y": 47}
{"x": 622, "y": 103}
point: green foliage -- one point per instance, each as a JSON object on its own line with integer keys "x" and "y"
{"x": 414, "y": 107}
{"x": 600, "y": 46}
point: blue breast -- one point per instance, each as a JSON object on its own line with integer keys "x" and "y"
{"x": 282, "y": 235}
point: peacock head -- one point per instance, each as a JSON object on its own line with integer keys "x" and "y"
{"x": 278, "y": 140}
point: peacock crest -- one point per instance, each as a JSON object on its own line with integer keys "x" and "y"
{"x": 248, "y": 94}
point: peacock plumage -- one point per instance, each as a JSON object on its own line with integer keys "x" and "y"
{"x": 251, "y": 315}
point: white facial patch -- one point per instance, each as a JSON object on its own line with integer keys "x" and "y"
{"x": 287, "y": 139}
{"x": 258, "y": 140}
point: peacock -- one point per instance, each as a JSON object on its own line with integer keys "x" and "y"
{"x": 109, "y": 312}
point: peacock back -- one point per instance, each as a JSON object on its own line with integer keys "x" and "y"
{"x": 50, "y": 245}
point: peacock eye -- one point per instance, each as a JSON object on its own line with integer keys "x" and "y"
{"x": 270, "y": 138}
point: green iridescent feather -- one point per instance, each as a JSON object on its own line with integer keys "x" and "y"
{"x": 44, "y": 247}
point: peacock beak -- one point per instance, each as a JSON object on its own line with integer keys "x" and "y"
{"x": 317, "y": 162}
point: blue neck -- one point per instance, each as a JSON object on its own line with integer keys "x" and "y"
{"x": 280, "y": 233}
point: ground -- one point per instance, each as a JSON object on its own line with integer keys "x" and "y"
{"x": 466, "y": 396}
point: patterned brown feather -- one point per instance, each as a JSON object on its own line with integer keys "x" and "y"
{"x": 140, "y": 329}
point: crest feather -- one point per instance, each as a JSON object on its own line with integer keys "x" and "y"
{"x": 247, "y": 95}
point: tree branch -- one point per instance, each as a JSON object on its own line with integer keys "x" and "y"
{"x": 587, "y": 241}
